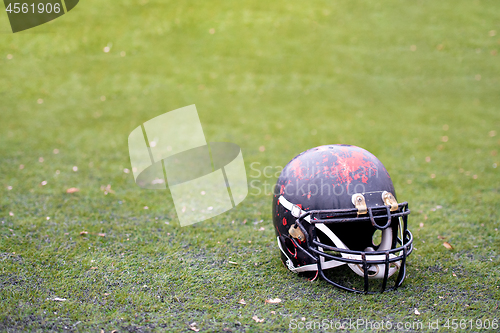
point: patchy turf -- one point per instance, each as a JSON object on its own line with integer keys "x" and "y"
{"x": 415, "y": 83}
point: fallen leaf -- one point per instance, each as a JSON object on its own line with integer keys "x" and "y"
{"x": 262, "y": 229}
{"x": 82, "y": 233}
{"x": 273, "y": 301}
{"x": 447, "y": 245}
{"x": 193, "y": 327}
{"x": 102, "y": 235}
{"x": 441, "y": 237}
{"x": 72, "y": 190}
{"x": 273, "y": 312}
{"x": 421, "y": 225}
{"x": 107, "y": 189}
{"x": 242, "y": 301}
{"x": 93, "y": 267}
{"x": 57, "y": 299}
{"x": 233, "y": 262}
{"x": 416, "y": 312}
{"x": 257, "y": 319}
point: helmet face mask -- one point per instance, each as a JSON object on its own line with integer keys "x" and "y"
{"x": 332, "y": 229}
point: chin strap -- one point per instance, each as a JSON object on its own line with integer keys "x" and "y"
{"x": 376, "y": 271}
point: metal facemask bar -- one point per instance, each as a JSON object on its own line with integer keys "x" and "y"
{"x": 369, "y": 264}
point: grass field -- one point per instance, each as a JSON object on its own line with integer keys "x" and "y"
{"x": 414, "y": 82}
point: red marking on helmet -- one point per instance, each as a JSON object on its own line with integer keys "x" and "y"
{"x": 282, "y": 190}
{"x": 278, "y": 230}
{"x": 284, "y": 221}
{"x": 309, "y": 195}
{"x": 296, "y": 167}
{"x": 352, "y": 165}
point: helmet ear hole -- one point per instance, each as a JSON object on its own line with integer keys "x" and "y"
{"x": 377, "y": 237}
{"x": 289, "y": 247}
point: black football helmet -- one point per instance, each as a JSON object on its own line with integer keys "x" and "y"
{"x": 329, "y": 203}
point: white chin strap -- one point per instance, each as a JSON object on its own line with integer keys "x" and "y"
{"x": 375, "y": 271}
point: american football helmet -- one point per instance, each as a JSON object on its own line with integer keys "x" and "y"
{"x": 336, "y": 216}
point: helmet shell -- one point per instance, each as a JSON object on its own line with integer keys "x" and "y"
{"x": 325, "y": 178}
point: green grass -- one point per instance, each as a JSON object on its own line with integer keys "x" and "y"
{"x": 286, "y": 75}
